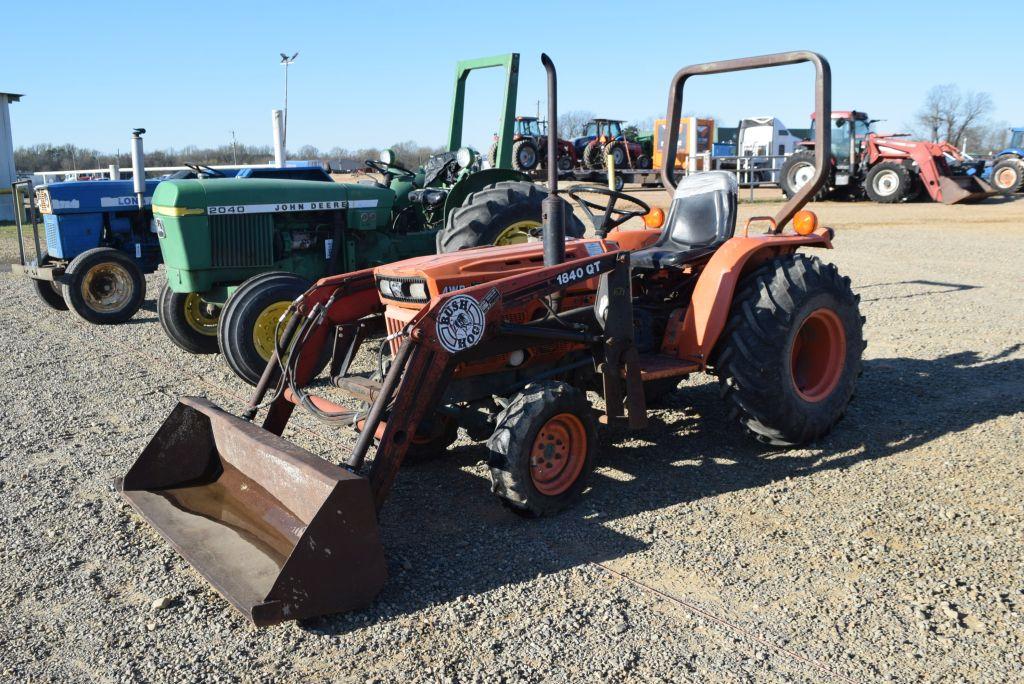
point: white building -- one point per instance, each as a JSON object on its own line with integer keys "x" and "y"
{"x": 6, "y": 157}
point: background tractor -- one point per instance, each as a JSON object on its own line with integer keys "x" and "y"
{"x": 505, "y": 342}
{"x": 1007, "y": 173}
{"x": 98, "y": 244}
{"x": 226, "y": 294}
{"x": 603, "y": 137}
{"x": 885, "y": 168}
{"x": 530, "y": 139}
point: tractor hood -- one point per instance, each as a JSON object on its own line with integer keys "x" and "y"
{"x": 238, "y": 196}
{"x": 82, "y": 197}
{"x": 402, "y": 282}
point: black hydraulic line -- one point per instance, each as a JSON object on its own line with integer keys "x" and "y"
{"x": 373, "y": 418}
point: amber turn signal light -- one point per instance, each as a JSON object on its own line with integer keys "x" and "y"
{"x": 655, "y": 218}
{"x": 805, "y": 222}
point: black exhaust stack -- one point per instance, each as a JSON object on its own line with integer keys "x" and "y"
{"x": 553, "y": 207}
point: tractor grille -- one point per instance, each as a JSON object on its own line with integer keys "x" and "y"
{"x": 242, "y": 240}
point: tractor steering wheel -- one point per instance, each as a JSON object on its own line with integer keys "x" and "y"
{"x": 201, "y": 169}
{"x": 387, "y": 170}
{"x": 612, "y": 217}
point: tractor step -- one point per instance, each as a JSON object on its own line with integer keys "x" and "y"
{"x": 657, "y": 366}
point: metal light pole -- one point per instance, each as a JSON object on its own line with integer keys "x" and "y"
{"x": 286, "y": 61}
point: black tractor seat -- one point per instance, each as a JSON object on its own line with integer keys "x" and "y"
{"x": 701, "y": 218}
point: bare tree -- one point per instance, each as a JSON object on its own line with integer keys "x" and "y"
{"x": 951, "y": 115}
{"x": 572, "y": 124}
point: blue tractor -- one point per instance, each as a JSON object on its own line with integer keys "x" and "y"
{"x": 98, "y": 246}
{"x": 1008, "y": 170}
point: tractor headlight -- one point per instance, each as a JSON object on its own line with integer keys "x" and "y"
{"x": 418, "y": 291}
{"x": 404, "y": 289}
{"x": 465, "y": 157}
{"x": 387, "y": 156}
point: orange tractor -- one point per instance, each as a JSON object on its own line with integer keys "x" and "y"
{"x": 506, "y": 342}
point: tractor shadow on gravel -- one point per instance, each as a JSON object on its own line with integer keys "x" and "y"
{"x": 447, "y": 539}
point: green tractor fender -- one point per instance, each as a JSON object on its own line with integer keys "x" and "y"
{"x": 476, "y": 182}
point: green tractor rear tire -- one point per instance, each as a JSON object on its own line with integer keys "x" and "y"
{"x": 501, "y": 214}
{"x": 593, "y": 156}
{"x": 249, "y": 319}
{"x": 104, "y": 286}
{"x": 190, "y": 322}
{"x": 49, "y": 293}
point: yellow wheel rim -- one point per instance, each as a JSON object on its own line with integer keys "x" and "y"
{"x": 201, "y": 316}
{"x": 107, "y": 287}
{"x": 516, "y": 234}
{"x": 266, "y": 324}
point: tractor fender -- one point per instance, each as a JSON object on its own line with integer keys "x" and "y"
{"x": 476, "y": 182}
{"x": 692, "y": 335}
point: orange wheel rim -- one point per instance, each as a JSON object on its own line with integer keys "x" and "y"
{"x": 1005, "y": 177}
{"x": 818, "y": 356}
{"x": 558, "y": 454}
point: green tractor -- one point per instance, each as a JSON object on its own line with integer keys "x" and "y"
{"x": 238, "y": 252}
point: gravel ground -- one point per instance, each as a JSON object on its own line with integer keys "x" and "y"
{"x": 890, "y": 551}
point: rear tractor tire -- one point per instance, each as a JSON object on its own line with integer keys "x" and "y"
{"x": 618, "y": 153}
{"x": 542, "y": 449}
{"x": 1008, "y": 175}
{"x": 49, "y": 292}
{"x": 594, "y": 156}
{"x": 190, "y": 322}
{"x": 789, "y": 358}
{"x": 889, "y": 183}
{"x": 524, "y": 155}
{"x": 501, "y": 214}
{"x": 492, "y": 155}
{"x": 249, "y": 322}
{"x": 104, "y": 286}
{"x": 797, "y": 171}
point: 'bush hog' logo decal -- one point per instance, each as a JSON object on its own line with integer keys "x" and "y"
{"x": 460, "y": 323}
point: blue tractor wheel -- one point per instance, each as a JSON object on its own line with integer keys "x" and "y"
{"x": 104, "y": 286}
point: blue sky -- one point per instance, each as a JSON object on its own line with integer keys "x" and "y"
{"x": 372, "y": 73}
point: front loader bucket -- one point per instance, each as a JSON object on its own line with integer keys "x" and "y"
{"x": 957, "y": 189}
{"x": 280, "y": 533}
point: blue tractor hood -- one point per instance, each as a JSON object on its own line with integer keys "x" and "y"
{"x": 83, "y": 197}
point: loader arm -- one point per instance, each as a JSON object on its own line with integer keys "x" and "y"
{"x": 424, "y": 363}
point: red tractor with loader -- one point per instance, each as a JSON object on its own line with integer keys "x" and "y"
{"x": 505, "y": 343}
{"x": 885, "y": 168}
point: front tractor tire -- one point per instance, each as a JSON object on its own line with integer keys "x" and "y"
{"x": 104, "y": 286}
{"x": 798, "y": 170}
{"x": 889, "y": 183}
{"x": 524, "y": 155}
{"x": 49, "y": 293}
{"x": 542, "y": 449}
{"x": 248, "y": 322}
{"x": 790, "y": 355}
{"x": 188, "y": 321}
{"x": 1008, "y": 175}
{"x": 501, "y": 214}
